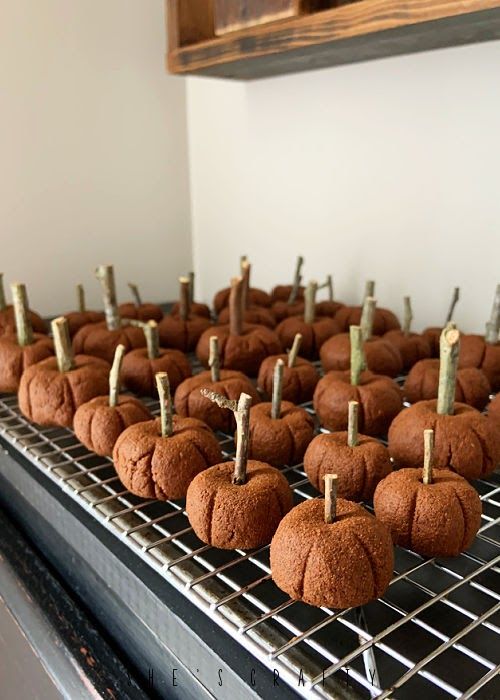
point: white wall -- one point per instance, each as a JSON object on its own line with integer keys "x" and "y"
{"x": 92, "y": 149}
{"x": 388, "y": 169}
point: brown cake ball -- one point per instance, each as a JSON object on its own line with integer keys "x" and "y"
{"x": 432, "y": 335}
{"x": 282, "y": 440}
{"x": 282, "y": 310}
{"x": 412, "y": 347}
{"x": 139, "y": 369}
{"x": 15, "y": 359}
{"x": 383, "y": 321}
{"x": 299, "y": 379}
{"x": 182, "y": 332}
{"x": 51, "y": 391}
{"x": 98, "y": 340}
{"x": 282, "y": 292}
{"x": 472, "y": 387}
{"x": 360, "y": 462}
{"x": 256, "y": 297}
{"x": 382, "y": 357}
{"x": 342, "y": 564}
{"x": 78, "y": 319}
{"x": 379, "y": 397}
{"x": 475, "y": 351}
{"x": 139, "y": 310}
{"x": 196, "y": 309}
{"x": 8, "y": 316}
{"x": 253, "y": 314}
{"x": 494, "y": 409}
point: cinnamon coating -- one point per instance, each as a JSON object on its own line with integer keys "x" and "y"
{"x": 255, "y": 297}
{"x": 359, "y": 469}
{"x": 138, "y": 370}
{"x": 282, "y": 310}
{"x": 96, "y": 340}
{"x": 254, "y": 314}
{"x": 342, "y": 564}
{"x": 382, "y": 357}
{"x": 476, "y": 352}
{"x": 439, "y": 519}
{"x": 189, "y": 401}
{"x": 412, "y": 347}
{"x": 182, "y": 335}
{"x": 383, "y": 319}
{"x": 279, "y": 441}
{"x": 196, "y": 308}
{"x": 78, "y": 319}
{"x": 299, "y": 381}
{"x": 472, "y": 386}
{"x": 314, "y": 335}
{"x": 144, "y": 312}
{"x": 15, "y": 358}
{"x": 466, "y": 442}
{"x": 152, "y": 466}
{"x": 243, "y": 352}
{"x": 98, "y": 425}
{"x": 50, "y": 397}
{"x": 8, "y": 322}
{"x": 231, "y": 516}
{"x": 379, "y": 399}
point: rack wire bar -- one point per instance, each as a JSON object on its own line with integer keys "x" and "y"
{"x": 435, "y": 632}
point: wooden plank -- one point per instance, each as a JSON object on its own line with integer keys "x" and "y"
{"x": 358, "y": 31}
{"x": 189, "y": 21}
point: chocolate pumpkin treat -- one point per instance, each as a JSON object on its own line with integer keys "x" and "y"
{"x": 102, "y": 339}
{"x": 433, "y": 512}
{"x": 253, "y": 296}
{"x": 52, "y": 390}
{"x": 250, "y": 313}
{"x": 159, "y": 458}
{"x": 279, "y": 431}
{"x": 465, "y": 441}
{"x": 141, "y": 366}
{"x": 25, "y": 348}
{"x": 82, "y": 317}
{"x": 382, "y": 357}
{"x": 314, "y": 331}
{"x": 196, "y": 308}
{"x": 183, "y": 331}
{"x": 238, "y": 505}
{"x": 99, "y": 422}
{"x": 328, "y": 307}
{"x": 139, "y": 310}
{"x": 383, "y": 319}
{"x": 379, "y": 397}
{"x": 359, "y": 461}
{"x": 299, "y": 375}
{"x": 332, "y": 552}
{"x": 484, "y": 352}
{"x": 189, "y": 400}
{"x": 433, "y": 334}
{"x": 290, "y": 293}
{"x": 242, "y": 346}
{"x": 422, "y": 383}
{"x": 8, "y": 316}
{"x": 412, "y": 346}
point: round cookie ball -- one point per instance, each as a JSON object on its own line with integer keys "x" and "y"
{"x": 359, "y": 469}
{"x": 472, "y": 386}
{"x": 50, "y": 397}
{"x": 279, "y": 441}
{"x": 141, "y": 312}
{"x": 152, "y": 466}
{"x": 98, "y": 425}
{"x": 379, "y": 399}
{"x": 381, "y": 356}
{"x": 182, "y": 335}
{"x": 138, "y": 370}
{"x": 412, "y": 347}
{"x": 244, "y": 352}
{"x": 255, "y": 297}
{"x": 383, "y": 319}
{"x": 15, "y": 358}
{"x": 238, "y": 516}
{"x": 189, "y": 401}
{"x": 340, "y": 565}
{"x": 476, "y": 352}
{"x": 314, "y": 334}
{"x": 299, "y": 381}
{"x": 96, "y": 340}
{"x": 8, "y": 322}
{"x": 196, "y": 308}
{"x": 465, "y": 442}
{"x": 254, "y": 314}
{"x": 78, "y": 319}
{"x": 439, "y": 519}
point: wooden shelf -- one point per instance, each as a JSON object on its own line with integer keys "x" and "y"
{"x": 359, "y": 31}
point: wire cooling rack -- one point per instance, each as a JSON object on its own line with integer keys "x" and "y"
{"x": 434, "y": 634}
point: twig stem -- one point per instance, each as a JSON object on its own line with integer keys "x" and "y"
{"x": 106, "y": 277}
{"x": 245, "y": 274}
{"x": 369, "y": 288}
{"x": 114, "y": 375}
{"x": 449, "y": 346}
{"x": 235, "y": 306}
{"x": 277, "y": 389}
{"x": 220, "y": 400}
{"x": 296, "y": 280}
{"x": 310, "y": 302}
{"x": 367, "y": 316}
{"x": 163, "y": 386}
{"x": 152, "y": 339}
{"x": 24, "y": 329}
{"x": 62, "y": 344}
{"x": 294, "y": 351}
{"x": 428, "y": 456}
{"x": 184, "y": 303}
{"x": 3, "y": 304}
{"x": 330, "y": 498}
{"x": 191, "y": 286}
{"x": 352, "y": 425}
{"x": 242, "y": 416}
{"x": 358, "y": 362}
{"x": 80, "y": 298}
{"x": 329, "y": 285}
{"x": 408, "y": 316}
{"x": 135, "y": 293}
{"x": 214, "y": 358}
{"x": 454, "y": 302}
{"x": 492, "y": 327}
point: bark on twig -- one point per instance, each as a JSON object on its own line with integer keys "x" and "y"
{"x": 152, "y": 339}
{"x": 214, "y": 358}
{"x": 294, "y": 351}
{"x": 114, "y": 375}
{"x": 367, "y": 317}
{"x": 80, "y": 298}
{"x": 106, "y": 277}
{"x": 191, "y": 286}
{"x": 358, "y": 361}
{"x": 166, "y": 411}
{"x": 135, "y": 293}
{"x": 277, "y": 389}
{"x": 310, "y": 302}
{"x": 3, "y": 303}
{"x": 330, "y": 498}
{"x": 492, "y": 327}
{"x": 454, "y": 302}
{"x": 408, "y": 316}
{"x": 449, "y": 346}
{"x": 235, "y": 307}
{"x": 242, "y": 416}
{"x": 369, "y": 289}
{"x": 296, "y": 280}
{"x": 62, "y": 344}
{"x": 428, "y": 456}
{"x": 24, "y": 329}
{"x": 352, "y": 425}
{"x": 184, "y": 303}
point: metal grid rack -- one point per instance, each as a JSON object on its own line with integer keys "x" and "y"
{"x": 435, "y": 633}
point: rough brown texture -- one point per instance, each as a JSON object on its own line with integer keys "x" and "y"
{"x": 282, "y": 292}
{"x": 243, "y": 352}
{"x": 98, "y": 425}
{"x": 359, "y": 469}
{"x": 383, "y": 319}
{"x": 328, "y": 308}
{"x": 50, "y": 397}
{"x": 95, "y": 339}
{"x": 196, "y": 308}
{"x": 494, "y": 409}
{"x": 254, "y": 314}
{"x": 78, "y": 319}
{"x": 439, "y": 519}
{"x": 299, "y": 381}
{"x": 255, "y": 297}
{"x": 476, "y": 352}
{"x": 379, "y": 399}
{"x": 412, "y": 347}
{"x": 466, "y": 442}
{"x": 138, "y": 370}
{"x": 182, "y": 335}
{"x": 314, "y": 335}
{"x": 433, "y": 334}
{"x": 189, "y": 401}
{"x": 231, "y": 516}
{"x": 14, "y": 359}
{"x": 282, "y": 310}
{"x": 8, "y": 322}
{"x": 145, "y": 312}
{"x": 381, "y": 356}
{"x": 279, "y": 441}
{"x": 338, "y": 565}
{"x": 472, "y": 386}
{"x": 152, "y": 466}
